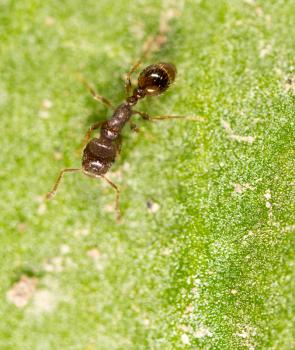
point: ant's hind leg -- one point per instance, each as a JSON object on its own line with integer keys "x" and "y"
{"x": 88, "y": 134}
{"x": 118, "y": 212}
{"x": 52, "y": 193}
{"x": 94, "y": 94}
{"x": 146, "y": 116}
{"x": 119, "y": 144}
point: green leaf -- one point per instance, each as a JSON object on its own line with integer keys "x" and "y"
{"x": 204, "y": 255}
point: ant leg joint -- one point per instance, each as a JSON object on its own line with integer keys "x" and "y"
{"x": 133, "y": 127}
{"x": 144, "y": 115}
{"x": 52, "y": 193}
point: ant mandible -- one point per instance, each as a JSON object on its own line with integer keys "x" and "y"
{"x": 100, "y": 153}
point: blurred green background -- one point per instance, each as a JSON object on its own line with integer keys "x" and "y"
{"x": 204, "y": 255}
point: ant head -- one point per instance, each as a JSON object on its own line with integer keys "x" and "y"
{"x": 156, "y": 78}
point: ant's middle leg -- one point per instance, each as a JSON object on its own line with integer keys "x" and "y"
{"x": 146, "y": 116}
{"x": 94, "y": 94}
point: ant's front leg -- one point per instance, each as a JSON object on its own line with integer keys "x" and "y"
{"x": 128, "y": 85}
{"x": 152, "y": 44}
{"x": 148, "y": 46}
{"x": 146, "y": 116}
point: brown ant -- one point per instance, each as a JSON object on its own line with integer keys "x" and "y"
{"x": 100, "y": 153}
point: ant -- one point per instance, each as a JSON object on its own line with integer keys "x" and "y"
{"x": 100, "y": 153}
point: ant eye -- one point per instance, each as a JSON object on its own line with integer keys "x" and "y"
{"x": 156, "y": 78}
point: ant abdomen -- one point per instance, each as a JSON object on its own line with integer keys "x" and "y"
{"x": 156, "y": 78}
{"x": 98, "y": 156}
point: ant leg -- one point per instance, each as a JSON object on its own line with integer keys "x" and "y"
{"x": 133, "y": 127}
{"x": 145, "y": 116}
{"x": 152, "y": 44}
{"x": 52, "y": 193}
{"x": 89, "y": 132}
{"x": 118, "y": 213}
{"x": 128, "y": 85}
{"x": 94, "y": 94}
{"x": 119, "y": 144}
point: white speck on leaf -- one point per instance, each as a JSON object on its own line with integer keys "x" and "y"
{"x": 47, "y": 104}
{"x": 22, "y": 291}
{"x": 94, "y": 254}
{"x": 267, "y": 194}
{"x": 152, "y": 206}
{"x": 64, "y": 249}
{"x": 54, "y": 265}
{"x": 202, "y": 332}
{"x": 49, "y": 21}
{"x": 44, "y": 301}
{"x": 232, "y": 135}
{"x": 185, "y": 339}
{"x": 43, "y": 114}
{"x": 243, "y": 335}
{"x": 266, "y": 50}
{"x": 82, "y": 232}
{"x": 42, "y": 209}
{"x": 240, "y": 188}
{"x": 146, "y": 322}
{"x": 268, "y": 204}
